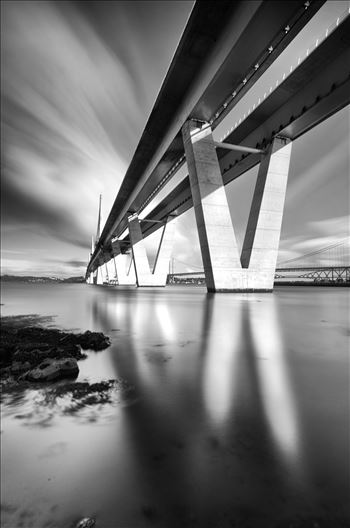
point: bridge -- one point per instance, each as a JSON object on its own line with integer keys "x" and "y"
{"x": 329, "y": 264}
{"x": 221, "y": 54}
{"x": 328, "y": 275}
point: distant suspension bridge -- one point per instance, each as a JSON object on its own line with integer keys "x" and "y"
{"x": 328, "y": 264}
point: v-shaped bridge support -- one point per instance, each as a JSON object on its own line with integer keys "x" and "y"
{"x": 144, "y": 276}
{"x": 123, "y": 268}
{"x": 223, "y": 267}
{"x": 134, "y": 269}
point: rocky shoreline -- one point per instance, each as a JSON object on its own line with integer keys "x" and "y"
{"x": 34, "y": 357}
{"x": 45, "y": 360}
{"x": 35, "y": 354}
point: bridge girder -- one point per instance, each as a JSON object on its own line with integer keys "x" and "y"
{"x": 206, "y": 89}
{"x": 306, "y": 110}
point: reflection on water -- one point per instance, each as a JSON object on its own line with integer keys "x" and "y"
{"x": 275, "y": 385}
{"x": 239, "y": 415}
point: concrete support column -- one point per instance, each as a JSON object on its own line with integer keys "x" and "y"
{"x": 130, "y": 269}
{"x": 111, "y": 269}
{"x": 124, "y": 272}
{"x": 144, "y": 277}
{"x": 98, "y": 278}
{"x": 106, "y": 274}
{"x": 216, "y": 235}
{"x": 260, "y": 247}
{"x": 141, "y": 265}
{"x": 115, "y": 268}
{"x": 161, "y": 265}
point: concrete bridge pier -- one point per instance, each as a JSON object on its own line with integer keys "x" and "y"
{"x": 124, "y": 269}
{"x": 110, "y": 268}
{"x": 260, "y": 246}
{"x": 216, "y": 235}
{"x": 144, "y": 276}
{"x": 105, "y": 272}
{"x": 223, "y": 267}
{"x": 98, "y": 277}
{"x": 165, "y": 248}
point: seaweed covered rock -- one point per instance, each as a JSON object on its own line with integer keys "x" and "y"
{"x": 17, "y": 367}
{"x": 93, "y": 340}
{"x": 33, "y": 344}
{"x": 35, "y": 353}
{"x": 53, "y": 369}
{"x": 7, "y": 345}
{"x": 36, "y": 356}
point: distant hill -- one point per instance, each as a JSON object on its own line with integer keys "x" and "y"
{"x": 29, "y": 278}
{"x": 74, "y": 279}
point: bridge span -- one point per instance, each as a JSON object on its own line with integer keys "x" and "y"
{"x": 329, "y": 275}
{"x": 219, "y": 58}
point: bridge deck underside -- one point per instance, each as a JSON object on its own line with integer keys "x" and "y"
{"x": 317, "y": 90}
{"x": 314, "y": 91}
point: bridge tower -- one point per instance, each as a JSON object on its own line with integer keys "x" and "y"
{"x": 225, "y": 269}
{"x": 97, "y": 275}
{"x": 90, "y": 277}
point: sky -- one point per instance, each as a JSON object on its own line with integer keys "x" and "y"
{"x": 79, "y": 80}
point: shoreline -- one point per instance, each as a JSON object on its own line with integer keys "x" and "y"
{"x": 32, "y": 357}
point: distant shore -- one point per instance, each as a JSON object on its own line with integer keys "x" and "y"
{"x": 30, "y": 278}
{"x": 81, "y": 280}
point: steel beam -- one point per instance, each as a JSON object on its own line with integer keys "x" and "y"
{"x": 239, "y": 148}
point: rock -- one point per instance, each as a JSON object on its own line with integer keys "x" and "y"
{"x": 52, "y": 369}
{"x": 93, "y": 340}
{"x": 36, "y": 356}
{"x": 25, "y": 348}
{"x": 18, "y": 367}
{"x": 33, "y": 356}
{"x": 6, "y": 349}
{"x": 87, "y": 522}
{"x": 6, "y": 371}
{"x": 32, "y": 346}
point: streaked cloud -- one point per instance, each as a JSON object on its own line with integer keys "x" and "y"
{"x": 320, "y": 234}
{"x": 76, "y": 94}
{"x": 78, "y": 82}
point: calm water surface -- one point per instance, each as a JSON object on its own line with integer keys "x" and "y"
{"x": 239, "y": 415}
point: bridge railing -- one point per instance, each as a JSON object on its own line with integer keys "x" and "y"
{"x": 298, "y": 61}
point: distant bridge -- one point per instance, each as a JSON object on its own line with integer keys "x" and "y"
{"x": 339, "y": 274}
{"x": 330, "y": 263}
{"x": 308, "y": 266}
{"x": 221, "y": 55}
{"x": 321, "y": 274}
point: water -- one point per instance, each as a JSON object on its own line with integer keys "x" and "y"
{"x": 239, "y": 415}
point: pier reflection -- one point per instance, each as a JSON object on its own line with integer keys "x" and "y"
{"x": 215, "y": 426}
